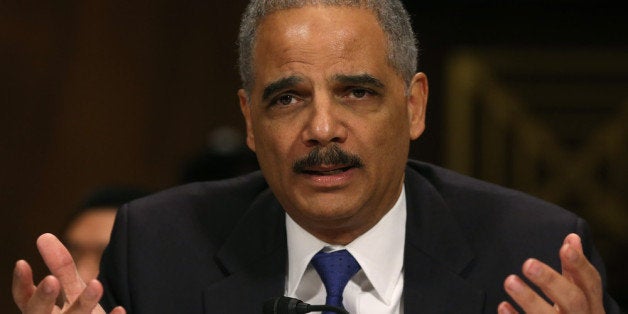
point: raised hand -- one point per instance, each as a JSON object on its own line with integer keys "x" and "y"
{"x": 64, "y": 283}
{"x": 577, "y": 290}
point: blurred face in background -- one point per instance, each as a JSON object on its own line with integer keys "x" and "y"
{"x": 87, "y": 236}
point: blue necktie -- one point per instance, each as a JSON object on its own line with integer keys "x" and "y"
{"x": 335, "y": 270}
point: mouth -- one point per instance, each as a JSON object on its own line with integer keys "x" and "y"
{"x": 328, "y": 170}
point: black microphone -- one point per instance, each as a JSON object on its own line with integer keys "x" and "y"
{"x": 286, "y": 305}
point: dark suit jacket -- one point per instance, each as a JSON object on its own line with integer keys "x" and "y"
{"x": 220, "y": 247}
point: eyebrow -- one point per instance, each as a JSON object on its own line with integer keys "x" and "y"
{"x": 359, "y": 79}
{"x": 280, "y": 84}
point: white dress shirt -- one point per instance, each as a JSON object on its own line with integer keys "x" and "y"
{"x": 377, "y": 287}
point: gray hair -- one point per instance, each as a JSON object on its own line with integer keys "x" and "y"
{"x": 392, "y": 16}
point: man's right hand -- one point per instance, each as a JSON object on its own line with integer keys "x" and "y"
{"x": 78, "y": 297}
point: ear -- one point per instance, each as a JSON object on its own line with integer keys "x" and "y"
{"x": 417, "y": 104}
{"x": 245, "y": 107}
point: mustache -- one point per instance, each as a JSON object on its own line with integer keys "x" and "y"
{"x": 333, "y": 155}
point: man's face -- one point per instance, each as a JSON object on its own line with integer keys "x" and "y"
{"x": 323, "y": 86}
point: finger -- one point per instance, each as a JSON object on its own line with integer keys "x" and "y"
{"x": 581, "y": 272}
{"x": 43, "y": 300}
{"x": 23, "y": 286}
{"x": 88, "y": 299}
{"x": 566, "y": 295}
{"x": 118, "y": 310}
{"x": 527, "y": 299}
{"x": 61, "y": 264}
{"x": 506, "y": 308}
{"x": 574, "y": 241}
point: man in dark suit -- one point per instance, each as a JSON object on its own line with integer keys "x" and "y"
{"x": 331, "y": 101}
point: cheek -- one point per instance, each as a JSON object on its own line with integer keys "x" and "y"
{"x": 387, "y": 139}
{"x": 388, "y": 129}
{"x": 273, "y": 145}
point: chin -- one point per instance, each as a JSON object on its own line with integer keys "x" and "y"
{"x": 327, "y": 213}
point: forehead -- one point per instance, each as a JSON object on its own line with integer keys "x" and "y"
{"x": 335, "y": 38}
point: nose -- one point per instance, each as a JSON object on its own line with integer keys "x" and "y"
{"x": 325, "y": 124}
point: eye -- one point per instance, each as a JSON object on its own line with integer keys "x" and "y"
{"x": 285, "y": 99}
{"x": 359, "y": 92}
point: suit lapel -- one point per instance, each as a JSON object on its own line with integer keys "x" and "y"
{"x": 253, "y": 259}
{"x": 436, "y": 255}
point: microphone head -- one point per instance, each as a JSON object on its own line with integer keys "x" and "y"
{"x": 281, "y": 305}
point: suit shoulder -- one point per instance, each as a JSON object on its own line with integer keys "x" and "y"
{"x": 237, "y": 189}
{"x": 213, "y": 205}
{"x": 475, "y": 196}
{"x": 498, "y": 221}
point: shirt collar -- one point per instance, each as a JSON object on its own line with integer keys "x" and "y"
{"x": 379, "y": 250}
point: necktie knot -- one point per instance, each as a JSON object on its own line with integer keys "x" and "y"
{"x": 335, "y": 270}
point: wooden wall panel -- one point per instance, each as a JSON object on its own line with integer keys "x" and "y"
{"x": 100, "y": 92}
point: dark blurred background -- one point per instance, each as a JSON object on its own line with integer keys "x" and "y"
{"x": 529, "y": 94}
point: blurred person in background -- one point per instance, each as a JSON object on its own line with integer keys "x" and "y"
{"x": 88, "y": 229}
